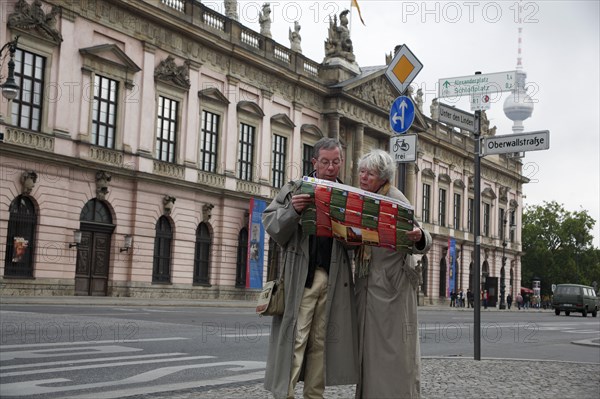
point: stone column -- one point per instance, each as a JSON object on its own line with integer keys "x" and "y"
{"x": 410, "y": 191}
{"x": 359, "y": 136}
{"x": 333, "y": 126}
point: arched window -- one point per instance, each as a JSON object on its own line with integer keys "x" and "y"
{"x": 242, "y": 258}
{"x": 273, "y": 262}
{"x": 95, "y": 211}
{"x": 425, "y": 272}
{"x": 442, "y": 292}
{"x": 202, "y": 255}
{"x": 161, "y": 270}
{"x": 20, "y": 238}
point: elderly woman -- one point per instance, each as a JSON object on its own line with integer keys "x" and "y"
{"x": 386, "y": 294}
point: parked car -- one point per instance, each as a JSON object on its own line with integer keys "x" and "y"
{"x": 575, "y": 298}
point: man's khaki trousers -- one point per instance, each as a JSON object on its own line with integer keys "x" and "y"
{"x": 310, "y": 339}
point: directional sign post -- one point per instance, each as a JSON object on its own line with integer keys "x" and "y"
{"x": 531, "y": 141}
{"x": 403, "y": 69}
{"x": 402, "y": 114}
{"x": 456, "y": 117}
{"x": 480, "y": 84}
{"x": 403, "y": 148}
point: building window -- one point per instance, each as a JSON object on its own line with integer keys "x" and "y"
{"x": 512, "y": 226}
{"x": 279, "y": 148}
{"x": 242, "y": 259}
{"x": 166, "y": 129}
{"x": 501, "y": 224}
{"x": 457, "y": 211}
{"x": 161, "y": 270}
{"x": 470, "y": 214}
{"x": 486, "y": 219}
{"x": 29, "y": 75}
{"x": 202, "y": 255}
{"x": 307, "y": 154}
{"x": 426, "y": 202}
{"x": 246, "y": 152}
{"x": 442, "y": 207}
{"x": 20, "y": 238}
{"x": 209, "y": 140}
{"x": 104, "y": 111}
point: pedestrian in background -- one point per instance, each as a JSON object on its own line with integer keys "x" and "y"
{"x": 386, "y": 297}
{"x": 509, "y": 300}
{"x": 317, "y": 335}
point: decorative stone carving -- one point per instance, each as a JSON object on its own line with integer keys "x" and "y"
{"x": 489, "y": 193}
{"x": 419, "y": 100}
{"x": 434, "y": 109}
{"x": 102, "y": 180}
{"x": 231, "y": 9}
{"x": 168, "y": 71}
{"x": 375, "y": 92}
{"x": 264, "y": 19}
{"x": 295, "y": 38}
{"x": 168, "y": 203}
{"x": 33, "y": 17}
{"x": 207, "y": 212}
{"x": 339, "y": 44}
{"x": 28, "y": 180}
{"x": 503, "y": 191}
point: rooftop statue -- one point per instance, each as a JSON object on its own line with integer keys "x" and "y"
{"x": 265, "y": 20}
{"x": 231, "y": 9}
{"x": 295, "y": 38}
{"x": 339, "y": 44}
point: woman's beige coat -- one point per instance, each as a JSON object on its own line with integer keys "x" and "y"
{"x": 283, "y": 225}
{"x": 389, "y": 353}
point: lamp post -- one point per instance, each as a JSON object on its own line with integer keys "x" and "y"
{"x": 10, "y": 88}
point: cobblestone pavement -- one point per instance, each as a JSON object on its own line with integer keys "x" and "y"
{"x": 449, "y": 378}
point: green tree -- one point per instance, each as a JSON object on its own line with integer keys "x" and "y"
{"x": 558, "y": 246}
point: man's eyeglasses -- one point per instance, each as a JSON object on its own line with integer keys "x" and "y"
{"x": 327, "y": 162}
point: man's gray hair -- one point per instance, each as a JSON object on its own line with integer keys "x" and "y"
{"x": 326, "y": 143}
{"x": 380, "y": 162}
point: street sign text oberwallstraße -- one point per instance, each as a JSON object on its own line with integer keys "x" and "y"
{"x": 403, "y": 69}
{"x": 489, "y": 84}
{"x": 456, "y": 117}
{"x": 532, "y": 141}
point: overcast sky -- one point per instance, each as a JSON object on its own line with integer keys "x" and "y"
{"x": 560, "y": 52}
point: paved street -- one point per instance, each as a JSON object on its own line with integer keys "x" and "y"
{"x": 125, "y": 347}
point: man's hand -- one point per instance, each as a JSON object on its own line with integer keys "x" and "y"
{"x": 301, "y": 201}
{"x": 415, "y": 235}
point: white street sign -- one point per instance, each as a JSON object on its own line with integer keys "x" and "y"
{"x": 403, "y": 148}
{"x": 532, "y": 141}
{"x": 456, "y": 117}
{"x": 480, "y": 102}
{"x": 489, "y": 84}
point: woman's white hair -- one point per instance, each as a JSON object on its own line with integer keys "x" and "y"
{"x": 380, "y": 162}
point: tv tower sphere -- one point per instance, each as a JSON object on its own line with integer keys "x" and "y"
{"x": 518, "y": 106}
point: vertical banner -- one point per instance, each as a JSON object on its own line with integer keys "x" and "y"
{"x": 451, "y": 264}
{"x": 256, "y": 244}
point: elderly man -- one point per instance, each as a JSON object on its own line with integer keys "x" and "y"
{"x": 386, "y": 298}
{"x": 316, "y": 336}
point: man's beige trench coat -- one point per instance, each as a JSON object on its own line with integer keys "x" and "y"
{"x": 389, "y": 352}
{"x": 283, "y": 224}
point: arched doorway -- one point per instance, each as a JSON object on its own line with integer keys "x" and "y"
{"x": 93, "y": 253}
{"x": 442, "y": 292}
{"x": 202, "y": 255}
{"x": 20, "y": 238}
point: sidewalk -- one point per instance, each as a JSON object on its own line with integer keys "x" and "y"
{"x": 443, "y": 378}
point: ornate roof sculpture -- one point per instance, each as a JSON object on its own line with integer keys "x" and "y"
{"x": 26, "y": 17}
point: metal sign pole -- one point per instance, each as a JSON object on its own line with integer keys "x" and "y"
{"x": 477, "y": 238}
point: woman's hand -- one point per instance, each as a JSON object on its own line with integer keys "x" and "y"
{"x": 415, "y": 235}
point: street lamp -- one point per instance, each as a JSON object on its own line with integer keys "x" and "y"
{"x": 10, "y": 88}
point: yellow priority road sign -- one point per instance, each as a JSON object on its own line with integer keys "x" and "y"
{"x": 403, "y": 69}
